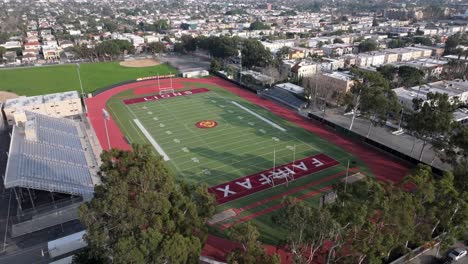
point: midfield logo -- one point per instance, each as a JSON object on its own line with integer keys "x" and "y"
{"x": 269, "y": 178}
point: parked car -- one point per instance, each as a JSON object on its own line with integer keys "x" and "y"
{"x": 457, "y": 254}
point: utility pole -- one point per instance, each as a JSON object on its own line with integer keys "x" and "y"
{"x": 81, "y": 86}
{"x": 106, "y": 118}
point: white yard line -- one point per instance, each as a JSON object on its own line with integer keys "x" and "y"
{"x": 151, "y": 139}
{"x": 259, "y": 116}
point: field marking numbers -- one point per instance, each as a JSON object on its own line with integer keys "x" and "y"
{"x": 258, "y": 116}
{"x": 151, "y": 140}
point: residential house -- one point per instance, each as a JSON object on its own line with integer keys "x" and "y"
{"x": 338, "y": 49}
{"x": 430, "y": 67}
{"x": 339, "y": 82}
{"x": 454, "y": 89}
{"x": 304, "y": 69}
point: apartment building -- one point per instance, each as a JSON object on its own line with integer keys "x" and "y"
{"x": 339, "y": 82}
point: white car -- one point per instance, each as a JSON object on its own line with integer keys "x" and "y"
{"x": 457, "y": 254}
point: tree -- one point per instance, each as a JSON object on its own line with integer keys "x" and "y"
{"x": 422, "y": 41}
{"x": 368, "y": 45}
{"x": 372, "y": 96}
{"x": 189, "y": 43}
{"x": 140, "y": 214}
{"x": 397, "y": 43}
{"x": 308, "y": 228}
{"x": 257, "y": 25}
{"x": 375, "y": 23}
{"x": 255, "y": 54}
{"x": 84, "y": 256}
{"x": 215, "y": 65}
{"x": 2, "y": 52}
{"x": 110, "y": 25}
{"x": 375, "y": 218}
{"x": 388, "y": 71}
{"x": 431, "y": 118}
{"x": 410, "y": 76}
{"x": 338, "y": 40}
{"x": 251, "y": 251}
{"x": 451, "y": 44}
{"x": 161, "y": 25}
{"x": 221, "y": 47}
{"x": 156, "y": 47}
{"x": 283, "y": 52}
{"x": 273, "y": 72}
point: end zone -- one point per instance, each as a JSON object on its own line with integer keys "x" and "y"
{"x": 266, "y": 179}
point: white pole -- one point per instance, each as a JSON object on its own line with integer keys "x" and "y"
{"x": 81, "y": 86}
{"x": 159, "y": 83}
{"x": 274, "y": 166}
{"x": 106, "y": 118}
{"x": 107, "y": 134}
{"x": 171, "y": 80}
{"x": 346, "y": 179}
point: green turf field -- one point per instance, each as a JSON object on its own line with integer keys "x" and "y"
{"x": 60, "y": 78}
{"x": 241, "y": 144}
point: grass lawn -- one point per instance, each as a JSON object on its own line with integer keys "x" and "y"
{"x": 60, "y": 78}
{"x": 241, "y": 144}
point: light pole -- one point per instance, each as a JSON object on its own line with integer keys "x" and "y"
{"x": 81, "y": 85}
{"x": 106, "y": 118}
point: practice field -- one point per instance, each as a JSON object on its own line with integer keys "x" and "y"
{"x": 61, "y": 78}
{"x": 249, "y": 157}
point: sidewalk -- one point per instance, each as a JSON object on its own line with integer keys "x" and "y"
{"x": 402, "y": 143}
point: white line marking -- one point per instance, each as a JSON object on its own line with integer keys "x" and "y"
{"x": 258, "y": 116}
{"x": 151, "y": 140}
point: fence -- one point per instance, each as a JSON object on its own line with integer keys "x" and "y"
{"x": 29, "y": 221}
{"x": 383, "y": 148}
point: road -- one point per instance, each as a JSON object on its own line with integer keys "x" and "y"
{"x": 429, "y": 256}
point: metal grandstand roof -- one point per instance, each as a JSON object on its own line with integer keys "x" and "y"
{"x": 47, "y": 154}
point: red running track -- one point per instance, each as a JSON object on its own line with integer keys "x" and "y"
{"x": 382, "y": 166}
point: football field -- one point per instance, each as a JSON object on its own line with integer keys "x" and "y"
{"x": 249, "y": 157}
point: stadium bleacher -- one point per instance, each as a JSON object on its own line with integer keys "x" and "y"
{"x": 283, "y": 97}
{"x": 47, "y": 154}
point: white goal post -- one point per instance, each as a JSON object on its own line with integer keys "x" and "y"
{"x": 165, "y": 91}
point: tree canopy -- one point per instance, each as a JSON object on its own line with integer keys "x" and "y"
{"x": 431, "y": 119}
{"x": 368, "y": 45}
{"x": 255, "y": 54}
{"x": 251, "y": 250}
{"x": 140, "y": 214}
{"x": 258, "y": 25}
